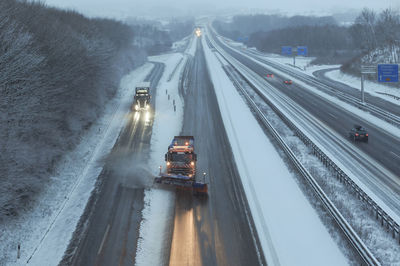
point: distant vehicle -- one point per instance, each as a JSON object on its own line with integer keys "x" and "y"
{"x": 288, "y": 81}
{"x": 198, "y": 32}
{"x": 181, "y": 163}
{"x": 270, "y": 75}
{"x": 358, "y": 133}
{"x": 142, "y": 97}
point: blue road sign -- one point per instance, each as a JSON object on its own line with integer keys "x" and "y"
{"x": 242, "y": 39}
{"x": 302, "y": 50}
{"x": 388, "y": 73}
{"x": 286, "y": 50}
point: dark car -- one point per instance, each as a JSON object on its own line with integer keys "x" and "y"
{"x": 288, "y": 81}
{"x": 358, "y": 133}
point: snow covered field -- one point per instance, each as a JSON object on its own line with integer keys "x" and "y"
{"x": 158, "y": 212}
{"x": 369, "y": 229}
{"x": 303, "y": 64}
{"x": 289, "y": 229}
{"x": 389, "y": 128}
{"x": 44, "y": 233}
{"x": 373, "y": 88}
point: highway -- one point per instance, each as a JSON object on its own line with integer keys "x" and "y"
{"x": 111, "y": 220}
{"x": 214, "y": 230}
{"x": 383, "y": 147}
{"x": 332, "y": 87}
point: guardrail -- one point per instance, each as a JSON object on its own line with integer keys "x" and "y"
{"x": 356, "y": 242}
{"x": 377, "y": 111}
{"x": 173, "y": 71}
{"x": 183, "y": 82}
{"x": 383, "y": 217}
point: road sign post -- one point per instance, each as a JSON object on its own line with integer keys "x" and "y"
{"x": 300, "y": 50}
{"x": 362, "y": 88}
{"x": 365, "y": 70}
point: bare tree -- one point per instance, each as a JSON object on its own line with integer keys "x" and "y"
{"x": 363, "y": 30}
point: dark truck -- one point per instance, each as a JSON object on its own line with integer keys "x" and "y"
{"x": 142, "y": 97}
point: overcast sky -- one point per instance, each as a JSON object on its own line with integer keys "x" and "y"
{"x": 125, "y": 8}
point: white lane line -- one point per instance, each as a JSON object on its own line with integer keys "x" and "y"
{"x": 395, "y": 154}
{"x": 104, "y": 239}
{"x": 332, "y": 115}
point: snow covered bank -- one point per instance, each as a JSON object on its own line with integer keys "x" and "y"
{"x": 389, "y": 128}
{"x": 289, "y": 229}
{"x": 158, "y": 212}
{"x": 373, "y": 88}
{"x": 191, "y": 49}
{"x": 45, "y": 232}
{"x": 303, "y": 64}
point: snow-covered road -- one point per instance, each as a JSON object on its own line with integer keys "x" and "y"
{"x": 155, "y": 228}
{"x": 44, "y": 233}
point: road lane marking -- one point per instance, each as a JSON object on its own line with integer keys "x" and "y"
{"x": 104, "y": 239}
{"x": 332, "y": 115}
{"x": 395, "y": 154}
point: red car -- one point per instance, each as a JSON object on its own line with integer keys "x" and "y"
{"x": 270, "y": 75}
{"x": 289, "y": 82}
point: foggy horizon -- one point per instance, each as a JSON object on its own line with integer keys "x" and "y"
{"x": 123, "y": 9}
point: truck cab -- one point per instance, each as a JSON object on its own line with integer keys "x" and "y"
{"x": 181, "y": 158}
{"x": 142, "y": 97}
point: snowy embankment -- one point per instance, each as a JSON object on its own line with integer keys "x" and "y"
{"x": 380, "y": 90}
{"x": 373, "y": 88}
{"x": 386, "y": 126}
{"x": 158, "y": 213}
{"x": 44, "y": 233}
{"x": 301, "y": 62}
{"x": 374, "y": 188}
{"x": 289, "y": 229}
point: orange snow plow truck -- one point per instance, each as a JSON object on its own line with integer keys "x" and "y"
{"x": 181, "y": 163}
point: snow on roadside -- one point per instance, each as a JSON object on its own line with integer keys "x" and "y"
{"x": 289, "y": 229}
{"x": 45, "y": 232}
{"x": 178, "y": 45}
{"x": 192, "y": 46}
{"x": 373, "y": 88}
{"x": 158, "y": 212}
{"x": 389, "y": 128}
{"x": 301, "y": 63}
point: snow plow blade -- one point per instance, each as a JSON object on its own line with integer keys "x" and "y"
{"x": 183, "y": 182}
